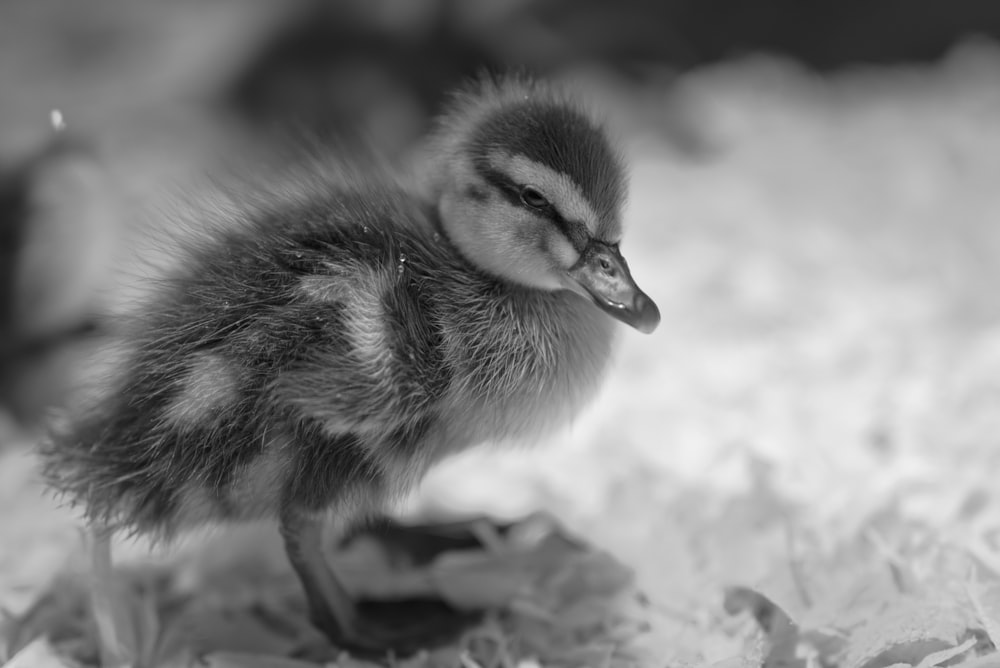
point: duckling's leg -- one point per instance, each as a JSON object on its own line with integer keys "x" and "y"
{"x": 107, "y": 604}
{"x": 331, "y": 608}
{"x": 337, "y": 615}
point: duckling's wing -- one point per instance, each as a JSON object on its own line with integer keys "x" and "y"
{"x": 361, "y": 395}
{"x": 376, "y": 360}
{"x": 297, "y": 351}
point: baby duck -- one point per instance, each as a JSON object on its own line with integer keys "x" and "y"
{"x": 319, "y": 357}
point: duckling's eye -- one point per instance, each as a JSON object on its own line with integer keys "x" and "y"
{"x": 533, "y": 198}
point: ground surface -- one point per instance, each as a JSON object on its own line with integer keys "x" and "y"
{"x": 816, "y": 420}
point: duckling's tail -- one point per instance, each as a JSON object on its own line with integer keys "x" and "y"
{"x": 79, "y": 471}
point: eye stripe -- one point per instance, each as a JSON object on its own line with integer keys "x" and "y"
{"x": 576, "y": 232}
{"x": 501, "y": 182}
{"x": 564, "y": 194}
{"x": 564, "y": 141}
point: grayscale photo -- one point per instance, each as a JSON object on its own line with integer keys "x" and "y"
{"x": 499, "y": 334}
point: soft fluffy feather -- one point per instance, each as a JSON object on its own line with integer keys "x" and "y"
{"x": 359, "y": 347}
{"x": 524, "y": 116}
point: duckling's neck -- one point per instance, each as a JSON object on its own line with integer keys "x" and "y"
{"x": 523, "y": 360}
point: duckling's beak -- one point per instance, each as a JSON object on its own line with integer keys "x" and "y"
{"x": 603, "y": 275}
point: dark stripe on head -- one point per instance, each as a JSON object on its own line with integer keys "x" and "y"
{"x": 563, "y": 140}
{"x": 575, "y": 231}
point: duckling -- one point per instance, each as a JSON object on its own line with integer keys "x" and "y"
{"x": 318, "y": 358}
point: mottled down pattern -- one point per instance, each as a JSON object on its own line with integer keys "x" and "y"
{"x": 328, "y": 346}
{"x": 286, "y": 365}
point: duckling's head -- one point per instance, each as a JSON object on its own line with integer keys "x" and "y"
{"x": 531, "y": 190}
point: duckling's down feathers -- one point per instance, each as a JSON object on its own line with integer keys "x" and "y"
{"x": 562, "y": 139}
{"x": 323, "y": 355}
{"x": 542, "y": 122}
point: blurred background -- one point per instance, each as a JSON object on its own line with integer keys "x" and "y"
{"x": 814, "y": 206}
{"x": 153, "y": 92}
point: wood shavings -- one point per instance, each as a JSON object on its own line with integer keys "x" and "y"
{"x": 906, "y": 633}
{"x": 39, "y": 654}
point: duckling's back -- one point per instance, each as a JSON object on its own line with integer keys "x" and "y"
{"x": 320, "y": 355}
{"x": 262, "y": 371}
{"x": 346, "y": 334}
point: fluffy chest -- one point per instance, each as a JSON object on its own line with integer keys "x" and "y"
{"x": 523, "y": 364}
{"x": 444, "y": 356}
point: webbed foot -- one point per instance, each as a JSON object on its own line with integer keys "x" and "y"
{"x": 370, "y": 627}
{"x": 399, "y": 627}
